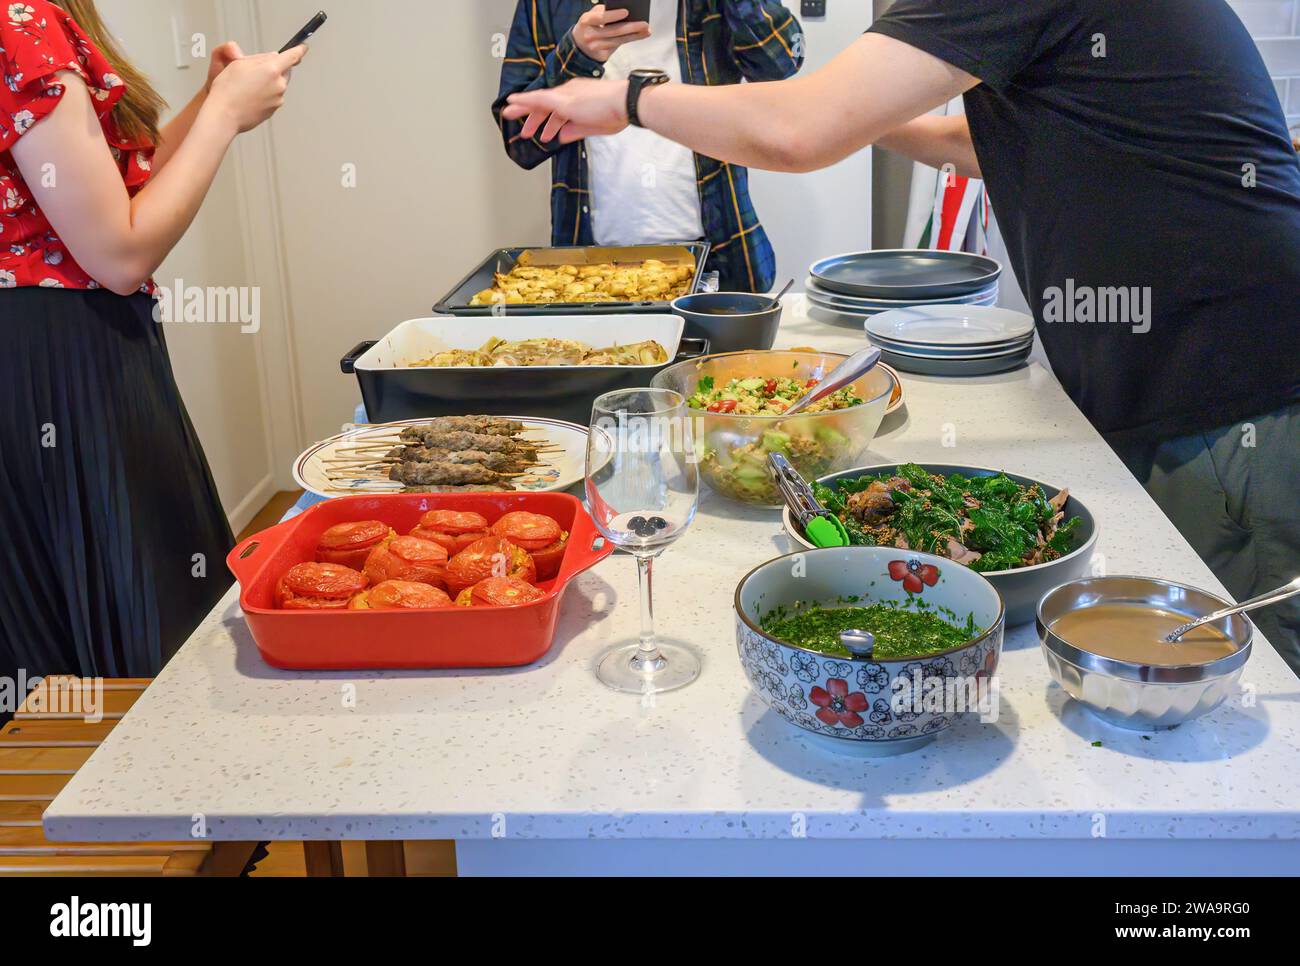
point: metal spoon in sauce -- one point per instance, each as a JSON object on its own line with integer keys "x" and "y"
{"x": 1263, "y": 600}
{"x": 849, "y": 371}
{"x": 859, "y": 643}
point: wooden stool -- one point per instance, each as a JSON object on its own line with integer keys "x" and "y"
{"x": 40, "y": 751}
{"x": 49, "y": 739}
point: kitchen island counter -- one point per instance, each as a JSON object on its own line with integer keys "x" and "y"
{"x": 543, "y": 769}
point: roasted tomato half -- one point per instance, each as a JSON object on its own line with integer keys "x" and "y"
{"x": 444, "y": 540}
{"x": 453, "y": 522}
{"x": 318, "y": 586}
{"x": 401, "y": 595}
{"x": 408, "y": 558}
{"x": 453, "y": 529}
{"x": 489, "y": 557}
{"x": 532, "y": 531}
{"x": 350, "y": 544}
{"x": 549, "y": 559}
{"x": 500, "y": 592}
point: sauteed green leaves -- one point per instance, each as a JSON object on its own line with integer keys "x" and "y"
{"x": 899, "y": 632}
{"x": 987, "y": 523}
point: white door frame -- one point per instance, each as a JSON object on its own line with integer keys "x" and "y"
{"x": 266, "y": 266}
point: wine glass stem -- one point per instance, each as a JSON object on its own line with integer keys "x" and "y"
{"x": 648, "y": 658}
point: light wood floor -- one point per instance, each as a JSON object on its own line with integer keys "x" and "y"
{"x": 423, "y": 859}
{"x": 271, "y": 514}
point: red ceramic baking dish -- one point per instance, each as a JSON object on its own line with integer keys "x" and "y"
{"x": 459, "y": 637}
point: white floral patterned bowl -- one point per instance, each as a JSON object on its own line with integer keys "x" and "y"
{"x": 870, "y": 706}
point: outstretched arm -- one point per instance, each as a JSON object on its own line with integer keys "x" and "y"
{"x": 803, "y": 124}
{"x": 936, "y": 140}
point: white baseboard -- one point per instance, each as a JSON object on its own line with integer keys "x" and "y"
{"x": 251, "y": 505}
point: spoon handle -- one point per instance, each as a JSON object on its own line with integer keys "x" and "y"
{"x": 776, "y": 299}
{"x": 1282, "y": 593}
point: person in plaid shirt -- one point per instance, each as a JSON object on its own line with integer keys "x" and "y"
{"x": 636, "y": 187}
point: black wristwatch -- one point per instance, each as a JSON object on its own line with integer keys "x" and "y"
{"x": 637, "y": 81}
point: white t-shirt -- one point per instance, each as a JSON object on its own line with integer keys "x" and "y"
{"x": 643, "y": 189}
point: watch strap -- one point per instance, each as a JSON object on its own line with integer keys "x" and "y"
{"x": 637, "y": 83}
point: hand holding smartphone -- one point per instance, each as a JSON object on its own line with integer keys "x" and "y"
{"x": 638, "y": 11}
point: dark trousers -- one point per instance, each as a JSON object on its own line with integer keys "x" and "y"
{"x": 1235, "y": 495}
{"x": 113, "y": 542}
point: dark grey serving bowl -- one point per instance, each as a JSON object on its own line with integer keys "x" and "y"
{"x": 731, "y": 321}
{"x": 1023, "y": 588}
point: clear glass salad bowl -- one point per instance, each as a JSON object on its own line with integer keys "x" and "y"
{"x": 733, "y": 448}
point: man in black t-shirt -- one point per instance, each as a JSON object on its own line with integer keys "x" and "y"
{"x": 1149, "y": 195}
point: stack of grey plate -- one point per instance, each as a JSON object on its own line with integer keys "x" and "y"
{"x": 953, "y": 340}
{"x": 848, "y": 289}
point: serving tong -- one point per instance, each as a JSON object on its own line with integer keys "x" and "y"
{"x": 823, "y": 528}
{"x": 846, "y": 373}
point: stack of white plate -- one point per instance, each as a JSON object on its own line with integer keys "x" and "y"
{"x": 848, "y": 289}
{"x": 952, "y": 340}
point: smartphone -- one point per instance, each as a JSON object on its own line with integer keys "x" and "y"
{"x": 638, "y": 11}
{"x": 304, "y": 35}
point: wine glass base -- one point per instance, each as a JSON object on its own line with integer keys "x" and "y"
{"x": 622, "y": 669}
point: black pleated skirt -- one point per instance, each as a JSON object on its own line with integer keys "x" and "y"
{"x": 113, "y": 539}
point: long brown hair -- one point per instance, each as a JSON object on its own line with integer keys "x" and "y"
{"x": 139, "y": 110}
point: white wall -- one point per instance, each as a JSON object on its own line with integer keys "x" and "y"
{"x": 810, "y": 216}
{"x": 402, "y": 89}
{"x": 216, "y": 366}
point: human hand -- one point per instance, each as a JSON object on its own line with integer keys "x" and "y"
{"x": 251, "y": 89}
{"x": 222, "y": 57}
{"x": 600, "y": 31}
{"x": 580, "y": 109}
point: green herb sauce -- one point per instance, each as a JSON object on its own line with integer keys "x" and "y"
{"x": 899, "y": 633}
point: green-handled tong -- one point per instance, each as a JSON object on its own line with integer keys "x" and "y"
{"x": 820, "y": 526}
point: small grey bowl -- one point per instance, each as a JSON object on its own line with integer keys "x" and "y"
{"x": 1141, "y": 697}
{"x": 731, "y": 321}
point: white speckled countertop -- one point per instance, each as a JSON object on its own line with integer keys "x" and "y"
{"x": 546, "y": 752}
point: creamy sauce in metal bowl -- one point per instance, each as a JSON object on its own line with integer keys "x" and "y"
{"x": 1135, "y": 633}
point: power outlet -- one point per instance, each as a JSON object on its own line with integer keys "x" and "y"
{"x": 181, "y": 46}
{"x": 813, "y": 8}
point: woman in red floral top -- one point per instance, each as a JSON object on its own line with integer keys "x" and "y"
{"x": 113, "y": 535}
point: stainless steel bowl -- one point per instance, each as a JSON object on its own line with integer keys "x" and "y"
{"x": 1142, "y": 697}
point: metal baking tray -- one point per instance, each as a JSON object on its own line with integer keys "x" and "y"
{"x": 393, "y": 391}
{"x": 456, "y": 302}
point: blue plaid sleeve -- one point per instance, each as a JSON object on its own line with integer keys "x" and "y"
{"x": 766, "y": 38}
{"x": 536, "y": 60}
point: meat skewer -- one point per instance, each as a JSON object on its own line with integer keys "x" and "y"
{"x": 494, "y": 461}
{"x": 463, "y": 441}
{"x": 444, "y": 474}
{"x": 483, "y": 425}
{"x": 487, "y": 488}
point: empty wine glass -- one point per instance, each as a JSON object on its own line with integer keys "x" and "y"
{"x": 643, "y": 487}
